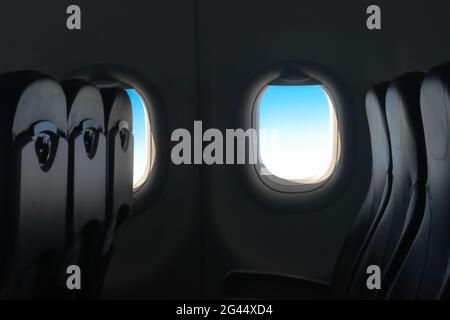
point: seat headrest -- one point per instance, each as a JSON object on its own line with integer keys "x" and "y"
{"x": 32, "y": 97}
{"x": 435, "y": 104}
{"x": 405, "y": 123}
{"x": 118, "y": 107}
{"x": 376, "y": 117}
{"x": 84, "y": 102}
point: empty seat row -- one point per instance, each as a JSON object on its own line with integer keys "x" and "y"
{"x": 411, "y": 242}
{"x": 65, "y": 146}
{"x": 424, "y": 271}
{"x": 403, "y": 226}
{"x": 400, "y": 219}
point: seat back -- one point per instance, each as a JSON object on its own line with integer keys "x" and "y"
{"x": 33, "y": 182}
{"x": 379, "y": 189}
{"x": 423, "y": 274}
{"x": 398, "y": 225}
{"x": 119, "y": 125}
{"x": 87, "y": 174}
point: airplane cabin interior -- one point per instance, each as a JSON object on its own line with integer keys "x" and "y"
{"x": 225, "y": 150}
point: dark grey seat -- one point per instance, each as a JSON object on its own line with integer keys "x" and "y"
{"x": 379, "y": 191}
{"x": 33, "y": 183}
{"x": 87, "y": 175}
{"x": 119, "y": 126}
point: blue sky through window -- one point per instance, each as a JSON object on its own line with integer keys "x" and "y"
{"x": 296, "y": 131}
{"x": 141, "y": 149}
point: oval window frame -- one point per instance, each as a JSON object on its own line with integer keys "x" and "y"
{"x": 298, "y": 199}
{"x": 150, "y": 142}
{"x": 285, "y": 185}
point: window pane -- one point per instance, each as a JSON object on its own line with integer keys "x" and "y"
{"x": 298, "y": 133}
{"x": 143, "y": 141}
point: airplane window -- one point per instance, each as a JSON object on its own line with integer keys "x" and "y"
{"x": 298, "y": 134}
{"x": 144, "y": 145}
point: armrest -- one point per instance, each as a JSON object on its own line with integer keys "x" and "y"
{"x": 248, "y": 284}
